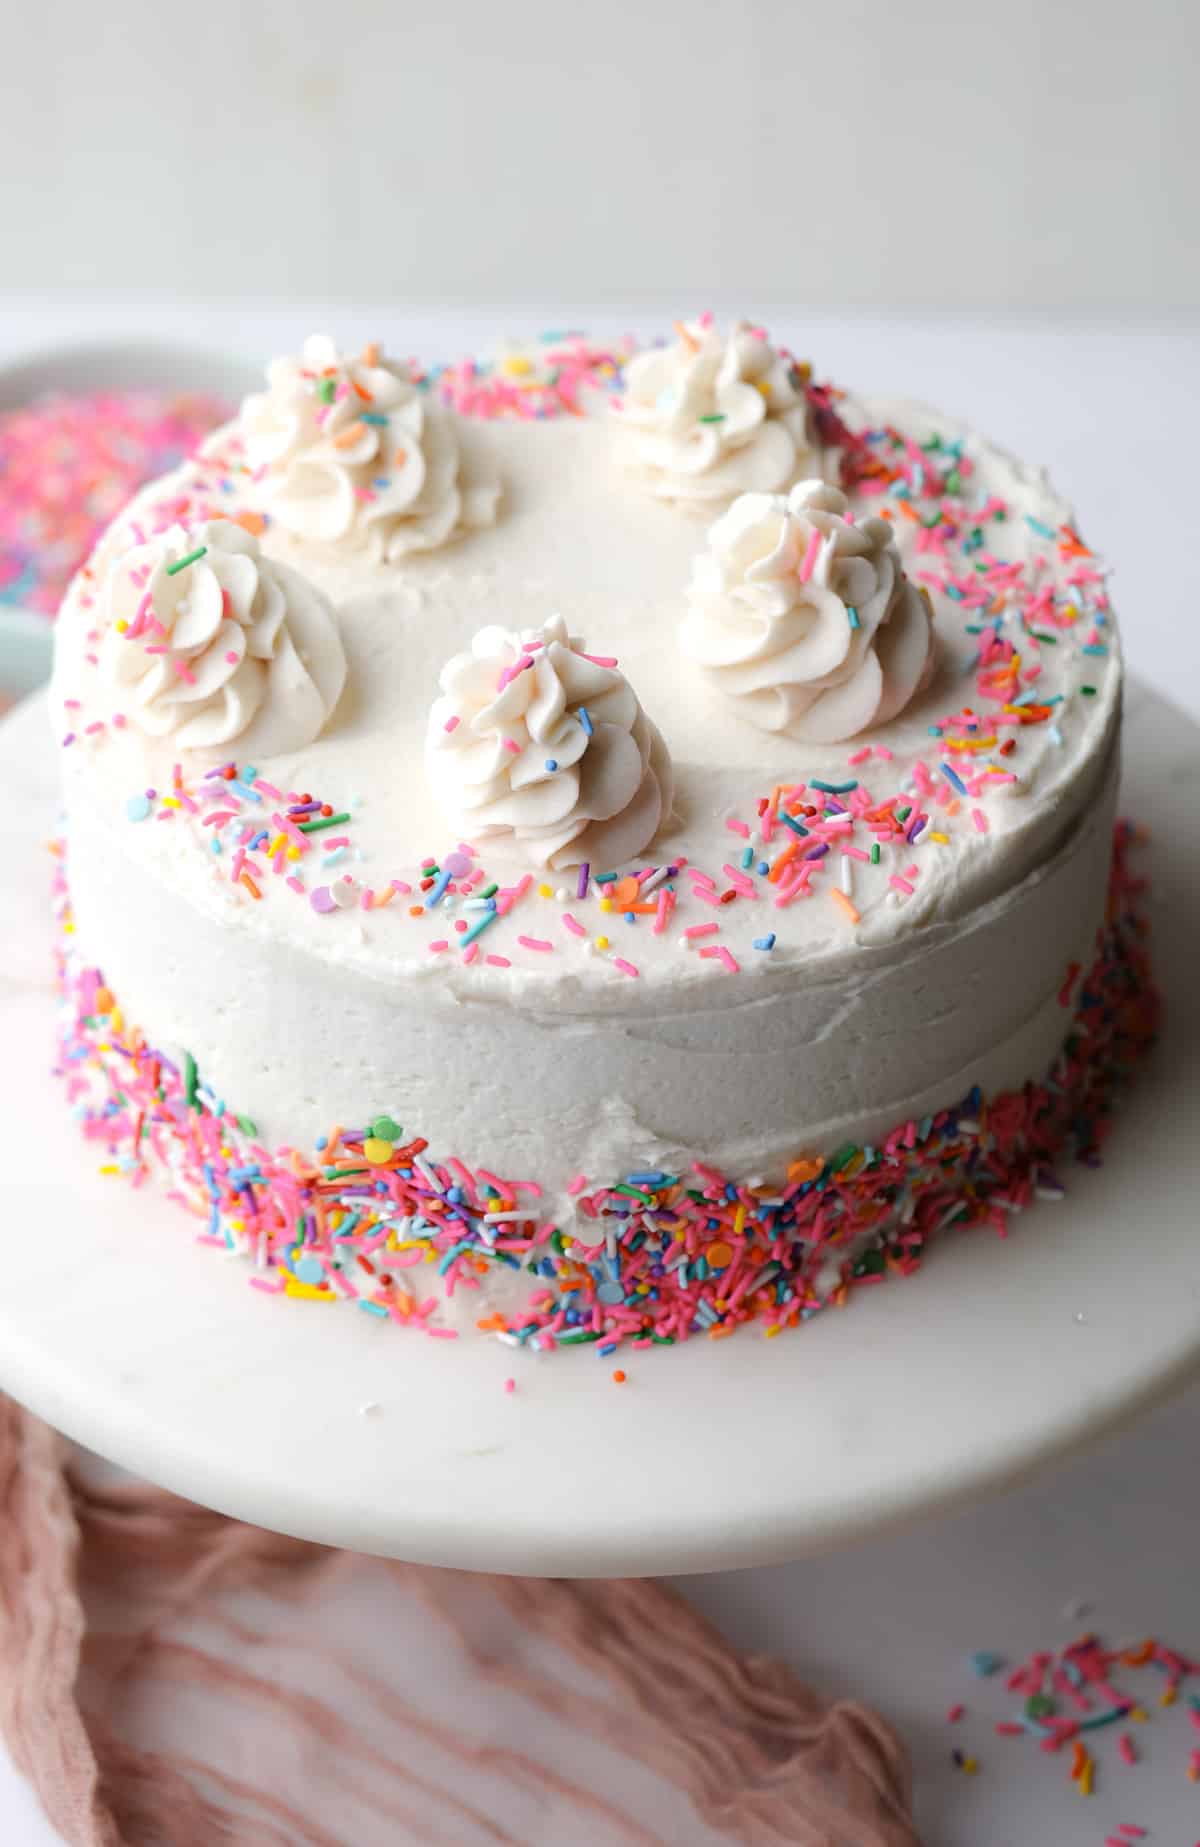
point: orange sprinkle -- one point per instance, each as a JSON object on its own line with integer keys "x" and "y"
{"x": 805, "y": 1169}
{"x": 370, "y": 353}
{"x": 350, "y": 435}
{"x": 839, "y": 897}
{"x": 789, "y": 853}
{"x": 250, "y": 522}
{"x": 687, "y": 336}
{"x": 618, "y": 1377}
{"x": 251, "y": 887}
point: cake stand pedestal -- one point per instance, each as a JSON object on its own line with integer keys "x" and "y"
{"x": 997, "y": 1357}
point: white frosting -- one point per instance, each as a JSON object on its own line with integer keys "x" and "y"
{"x": 539, "y": 745}
{"x": 806, "y": 621}
{"x": 208, "y": 642}
{"x": 710, "y": 417}
{"x": 349, "y": 452}
{"x": 550, "y": 1062}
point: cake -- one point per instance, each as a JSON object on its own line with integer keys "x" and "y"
{"x": 596, "y": 849}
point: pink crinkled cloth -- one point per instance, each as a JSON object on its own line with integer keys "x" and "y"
{"x": 173, "y": 1678}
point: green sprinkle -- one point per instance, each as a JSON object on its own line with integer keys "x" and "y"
{"x": 181, "y": 564}
{"x": 324, "y": 821}
{"x": 489, "y": 891}
{"x": 385, "y": 1130}
{"x": 1089, "y": 692}
{"x": 246, "y": 1125}
{"x": 326, "y": 390}
{"x": 189, "y": 1080}
{"x": 875, "y": 854}
{"x": 1040, "y": 635}
{"x": 717, "y": 416}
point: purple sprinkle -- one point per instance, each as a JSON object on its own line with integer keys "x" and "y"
{"x": 817, "y": 852}
{"x": 581, "y": 889}
{"x": 456, "y": 864}
{"x": 322, "y": 900}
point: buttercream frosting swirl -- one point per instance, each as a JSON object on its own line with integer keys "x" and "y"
{"x": 804, "y": 618}
{"x": 711, "y": 417}
{"x": 350, "y": 452}
{"x": 535, "y": 742}
{"x": 208, "y": 640}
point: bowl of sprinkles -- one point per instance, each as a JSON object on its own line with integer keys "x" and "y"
{"x": 81, "y": 428}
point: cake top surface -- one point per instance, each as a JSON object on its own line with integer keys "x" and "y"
{"x": 596, "y": 511}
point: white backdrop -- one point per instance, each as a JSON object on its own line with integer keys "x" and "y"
{"x": 941, "y": 152}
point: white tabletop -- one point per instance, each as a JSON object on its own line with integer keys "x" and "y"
{"x": 894, "y": 1621}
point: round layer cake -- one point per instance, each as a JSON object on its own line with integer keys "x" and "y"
{"x": 594, "y": 831}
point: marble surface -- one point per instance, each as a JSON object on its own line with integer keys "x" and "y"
{"x": 894, "y": 1619}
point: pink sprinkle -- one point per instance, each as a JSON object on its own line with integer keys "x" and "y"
{"x": 726, "y": 959}
{"x": 860, "y": 756}
{"x": 881, "y": 750}
{"x": 452, "y": 724}
{"x": 510, "y": 1385}
{"x": 295, "y": 883}
{"x": 899, "y": 884}
{"x": 511, "y": 744}
{"x": 232, "y": 658}
{"x": 810, "y": 555}
{"x": 1127, "y": 1748}
{"x": 266, "y": 1285}
{"x": 497, "y": 961}
{"x": 708, "y": 929}
{"x": 573, "y": 924}
{"x": 955, "y": 1714}
{"x": 601, "y": 660}
{"x": 980, "y": 820}
{"x": 576, "y": 1185}
{"x": 625, "y": 967}
{"x": 436, "y": 948}
{"x": 470, "y": 953}
{"x": 737, "y": 827}
{"x": 534, "y": 942}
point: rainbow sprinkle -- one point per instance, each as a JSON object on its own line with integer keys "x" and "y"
{"x": 651, "y": 1258}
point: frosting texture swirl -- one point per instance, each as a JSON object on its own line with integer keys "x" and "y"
{"x": 208, "y": 641}
{"x": 711, "y": 417}
{"x": 350, "y": 453}
{"x": 804, "y": 618}
{"x": 537, "y": 743}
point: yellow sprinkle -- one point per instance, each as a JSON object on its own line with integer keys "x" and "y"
{"x": 606, "y": 904}
{"x": 120, "y": 625}
{"x": 1139, "y": 1713}
{"x": 109, "y": 1169}
{"x": 1168, "y": 1698}
{"x": 764, "y": 388}
{"x": 310, "y": 1292}
{"x": 601, "y": 942}
{"x": 280, "y": 840}
{"x": 516, "y": 365}
{"x": 545, "y": 891}
{"x": 1085, "y": 1778}
{"x": 739, "y": 1220}
{"x": 169, "y": 801}
{"x": 376, "y": 1151}
{"x": 293, "y": 853}
{"x": 773, "y": 1330}
{"x": 943, "y": 840}
{"x": 970, "y": 1765}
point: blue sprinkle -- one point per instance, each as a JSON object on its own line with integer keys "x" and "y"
{"x": 765, "y": 942}
{"x": 585, "y": 719}
{"x": 832, "y": 788}
{"x": 954, "y": 779}
{"x": 309, "y": 1270}
{"x": 372, "y": 416}
{"x": 853, "y": 615}
{"x": 789, "y": 821}
{"x": 984, "y": 1662}
{"x": 747, "y": 858}
{"x": 138, "y": 807}
{"x": 552, "y": 764}
{"x": 439, "y": 890}
{"x": 1038, "y": 525}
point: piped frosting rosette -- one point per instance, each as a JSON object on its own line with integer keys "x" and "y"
{"x": 537, "y": 744}
{"x": 207, "y": 640}
{"x": 713, "y": 416}
{"x": 351, "y": 453}
{"x": 804, "y": 618}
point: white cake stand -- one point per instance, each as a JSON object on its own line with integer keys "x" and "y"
{"x": 998, "y": 1356}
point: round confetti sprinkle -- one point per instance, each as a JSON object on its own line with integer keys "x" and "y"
{"x": 377, "y": 1150}
{"x": 138, "y": 807}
